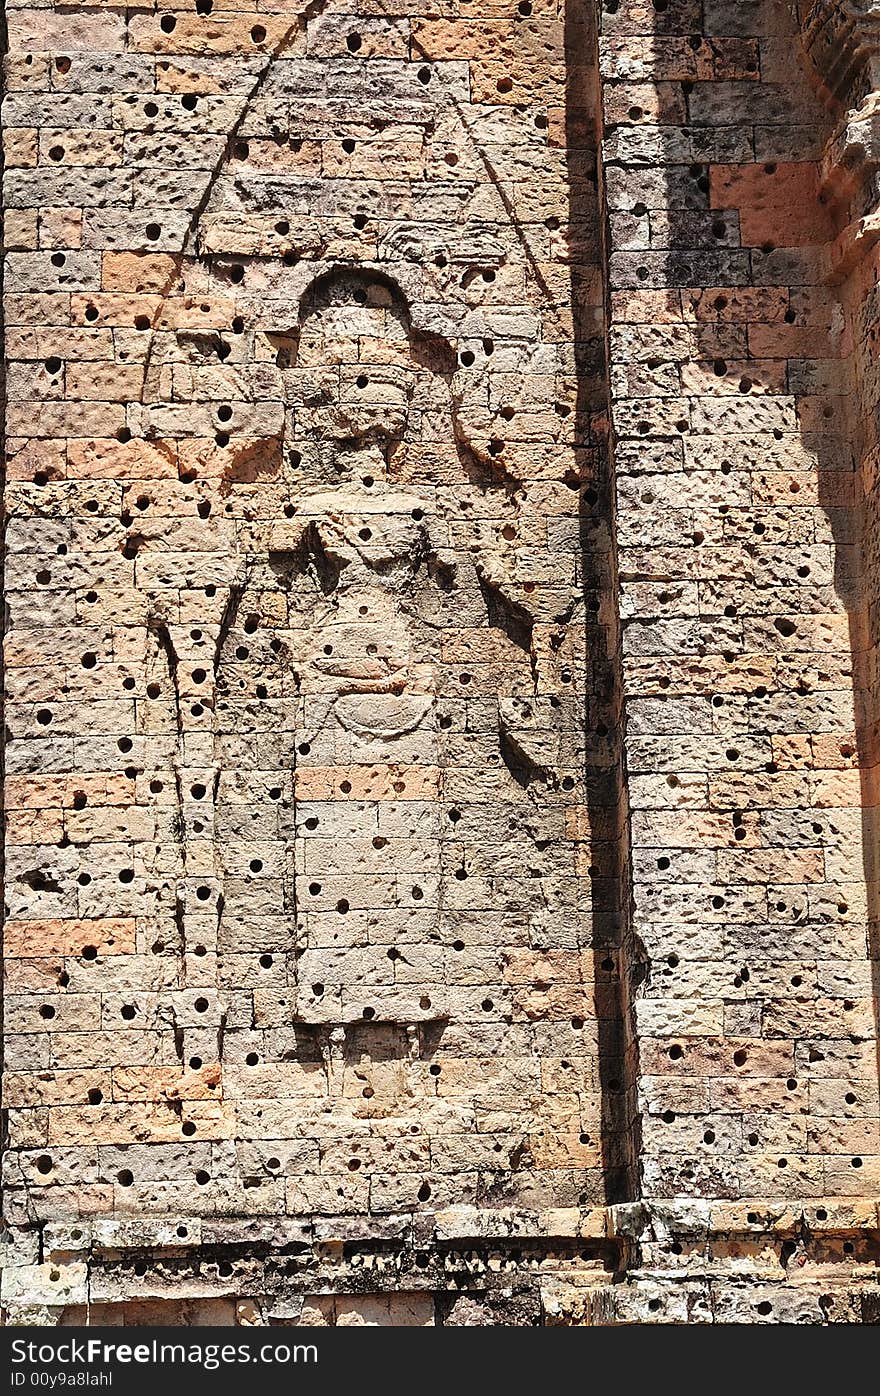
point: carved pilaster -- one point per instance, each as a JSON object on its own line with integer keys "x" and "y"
{"x": 842, "y": 40}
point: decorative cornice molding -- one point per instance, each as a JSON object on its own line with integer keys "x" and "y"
{"x": 842, "y": 41}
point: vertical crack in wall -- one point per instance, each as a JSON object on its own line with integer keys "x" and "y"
{"x": 609, "y": 816}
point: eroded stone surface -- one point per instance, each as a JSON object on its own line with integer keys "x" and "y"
{"x": 395, "y": 401}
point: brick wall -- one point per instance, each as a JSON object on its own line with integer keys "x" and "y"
{"x": 439, "y": 668}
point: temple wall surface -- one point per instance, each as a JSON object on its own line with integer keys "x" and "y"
{"x": 441, "y": 664}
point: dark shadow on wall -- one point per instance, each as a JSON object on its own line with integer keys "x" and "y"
{"x": 831, "y": 402}
{"x": 618, "y": 958}
{"x": 856, "y": 532}
{"x": 850, "y": 439}
{"x": 839, "y": 427}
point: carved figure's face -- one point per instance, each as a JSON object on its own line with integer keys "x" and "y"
{"x": 358, "y": 378}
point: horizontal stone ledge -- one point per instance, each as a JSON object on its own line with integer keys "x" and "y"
{"x": 696, "y": 1217}
{"x": 646, "y": 1220}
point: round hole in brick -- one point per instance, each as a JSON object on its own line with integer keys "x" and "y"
{"x": 126, "y": 875}
{"x": 251, "y": 1059}
{"x": 317, "y": 990}
{"x": 95, "y": 1096}
{"x": 424, "y": 1192}
{"x": 125, "y": 1177}
{"x": 342, "y": 906}
{"x": 198, "y": 791}
{"x": 195, "y": 1063}
{"x": 201, "y": 1005}
{"x": 266, "y": 961}
{"x": 89, "y": 952}
{"x": 202, "y": 1177}
{"x": 203, "y": 893}
{"x": 128, "y": 1011}
{"x": 44, "y": 1164}
{"x": 314, "y": 889}
{"x": 368, "y": 1013}
{"x": 44, "y": 717}
{"x": 353, "y": 43}
{"x": 168, "y": 24}
{"x": 348, "y": 146}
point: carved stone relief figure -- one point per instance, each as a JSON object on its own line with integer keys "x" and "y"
{"x": 384, "y": 896}
{"x": 392, "y": 798}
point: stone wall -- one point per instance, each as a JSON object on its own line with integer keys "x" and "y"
{"x": 441, "y": 665}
